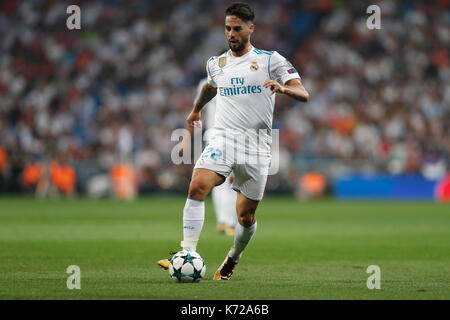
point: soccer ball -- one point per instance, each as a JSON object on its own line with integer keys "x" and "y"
{"x": 187, "y": 266}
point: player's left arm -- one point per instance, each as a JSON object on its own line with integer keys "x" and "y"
{"x": 293, "y": 88}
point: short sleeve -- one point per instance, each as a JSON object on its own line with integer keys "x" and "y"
{"x": 281, "y": 69}
{"x": 209, "y": 78}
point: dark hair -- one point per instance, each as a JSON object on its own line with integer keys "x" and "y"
{"x": 240, "y": 10}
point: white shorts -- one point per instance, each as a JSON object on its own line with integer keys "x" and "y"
{"x": 223, "y": 156}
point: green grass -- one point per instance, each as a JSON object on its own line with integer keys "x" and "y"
{"x": 312, "y": 250}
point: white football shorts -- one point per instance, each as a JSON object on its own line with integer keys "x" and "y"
{"x": 224, "y": 155}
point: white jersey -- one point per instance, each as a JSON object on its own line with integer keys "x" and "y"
{"x": 242, "y": 102}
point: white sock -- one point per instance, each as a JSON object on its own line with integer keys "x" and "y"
{"x": 224, "y": 201}
{"x": 193, "y": 218}
{"x": 217, "y": 203}
{"x": 241, "y": 239}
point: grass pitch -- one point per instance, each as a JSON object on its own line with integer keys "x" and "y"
{"x": 313, "y": 250}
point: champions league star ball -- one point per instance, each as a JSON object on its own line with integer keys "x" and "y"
{"x": 187, "y": 266}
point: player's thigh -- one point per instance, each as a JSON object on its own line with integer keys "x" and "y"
{"x": 213, "y": 163}
{"x": 250, "y": 179}
{"x": 205, "y": 179}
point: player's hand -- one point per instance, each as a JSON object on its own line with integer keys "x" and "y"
{"x": 193, "y": 119}
{"x": 274, "y": 86}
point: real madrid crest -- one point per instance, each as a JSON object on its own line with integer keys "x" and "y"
{"x": 254, "y": 66}
{"x": 222, "y": 62}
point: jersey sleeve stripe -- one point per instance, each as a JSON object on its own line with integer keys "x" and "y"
{"x": 207, "y": 63}
{"x": 268, "y": 68}
{"x": 259, "y": 51}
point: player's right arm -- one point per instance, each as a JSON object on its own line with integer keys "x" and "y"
{"x": 206, "y": 94}
{"x": 208, "y": 91}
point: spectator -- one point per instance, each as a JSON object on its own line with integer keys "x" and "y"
{"x": 380, "y": 99}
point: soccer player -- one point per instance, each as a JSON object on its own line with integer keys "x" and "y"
{"x": 244, "y": 81}
{"x": 223, "y": 196}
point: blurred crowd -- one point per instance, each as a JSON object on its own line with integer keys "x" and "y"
{"x": 112, "y": 93}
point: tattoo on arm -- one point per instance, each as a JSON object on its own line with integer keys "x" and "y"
{"x": 206, "y": 94}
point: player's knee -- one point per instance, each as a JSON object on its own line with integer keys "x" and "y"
{"x": 197, "y": 189}
{"x": 246, "y": 219}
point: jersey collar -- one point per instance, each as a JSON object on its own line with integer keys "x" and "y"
{"x": 245, "y": 55}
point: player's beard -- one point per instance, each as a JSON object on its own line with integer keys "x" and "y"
{"x": 239, "y": 47}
